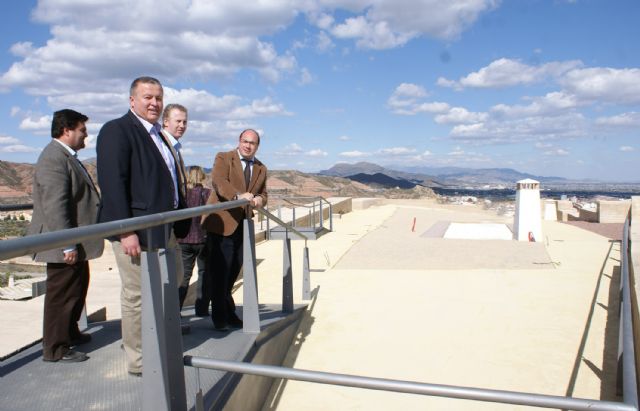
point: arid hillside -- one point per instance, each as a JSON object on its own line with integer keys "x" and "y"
{"x": 16, "y": 180}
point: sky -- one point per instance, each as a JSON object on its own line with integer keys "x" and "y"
{"x": 550, "y": 88}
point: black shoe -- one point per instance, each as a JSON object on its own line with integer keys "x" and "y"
{"x": 185, "y": 329}
{"x": 202, "y": 313}
{"x": 135, "y": 373}
{"x": 70, "y": 356}
{"x": 83, "y": 338}
{"x": 202, "y": 309}
{"x": 235, "y": 322}
{"x": 221, "y": 326}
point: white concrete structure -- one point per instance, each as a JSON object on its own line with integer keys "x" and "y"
{"x": 527, "y": 225}
{"x": 550, "y": 210}
{"x": 478, "y": 231}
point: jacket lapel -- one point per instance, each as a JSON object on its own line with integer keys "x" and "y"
{"x": 77, "y": 167}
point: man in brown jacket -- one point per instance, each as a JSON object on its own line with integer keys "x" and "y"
{"x": 236, "y": 174}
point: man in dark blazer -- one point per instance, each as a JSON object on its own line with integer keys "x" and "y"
{"x": 236, "y": 174}
{"x": 138, "y": 176}
{"x": 64, "y": 196}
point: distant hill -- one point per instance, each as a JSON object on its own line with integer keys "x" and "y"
{"x": 16, "y": 181}
{"x": 381, "y": 180}
{"x": 404, "y": 179}
{"x": 437, "y": 176}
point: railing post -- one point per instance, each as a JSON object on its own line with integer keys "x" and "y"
{"x": 306, "y": 274}
{"x": 268, "y": 234}
{"x": 293, "y": 222}
{"x": 287, "y": 275}
{"x": 321, "y": 214}
{"x": 330, "y": 216}
{"x": 250, "y": 312}
{"x": 313, "y": 215}
{"x": 163, "y": 386}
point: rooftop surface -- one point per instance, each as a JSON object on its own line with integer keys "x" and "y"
{"x": 394, "y": 299}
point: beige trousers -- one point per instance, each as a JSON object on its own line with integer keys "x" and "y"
{"x": 131, "y": 301}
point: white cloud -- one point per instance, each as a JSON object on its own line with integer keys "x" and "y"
{"x": 20, "y": 148}
{"x": 568, "y": 125}
{"x": 354, "y": 154}
{"x": 604, "y": 84}
{"x": 627, "y": 149}
{"x": 37, "y": 124}
{"x": 507, "y": 72}
{"x": 8, "y": 140}
{"x": 305, "y": 77}
{"x": 295, "y": 149}
{"x": 630, "y": 119}
{"x": 14, "y": 111}
{"x": 558, "y": 152}
{"x": 551, "y": 104}
{"x": 200, "y": 40}
{"x": 324, "y": 42}
{"x": 344, "y": 138}
{"x": 460, "y": 115}
{"x": 396, "y": 151}
{"x": 405, "y": 100}
{"x": 317, "y": 153}
{"x": 391, "y": 24}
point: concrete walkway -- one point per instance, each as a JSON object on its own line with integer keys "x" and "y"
{"x": 491, "y": 314}
{"x": 395, "y": 303}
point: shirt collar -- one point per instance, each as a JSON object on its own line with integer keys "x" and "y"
{"x": 174, "y": 141}
{"x": 148, "y": 126}
{"x": 251, "y": 160}
{"x": 69, "y": 149}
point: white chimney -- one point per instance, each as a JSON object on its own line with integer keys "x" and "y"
{"x": 527, "y": 225}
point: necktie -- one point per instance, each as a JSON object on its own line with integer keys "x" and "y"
{"x": 247, "y": 172}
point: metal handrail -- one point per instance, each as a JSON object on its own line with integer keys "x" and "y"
{"x": 630, "y": 393}
{"x": 15, "y": 207}
{"x": 311, "y": 208}
{"x": 629, "y": 383}
{"x": 410, "y": 387}
{"x": 289, "y": 227}
{"x": 45, "y": 241}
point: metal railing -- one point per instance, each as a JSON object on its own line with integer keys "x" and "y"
{"x": 163, "y": 380}
{"x": 626, "y": 353}
{"x": 15, "y": 207}
{"x": 315, "y": 209}
{"x": 167, "y": 329}
{"x": 626, "y": 349}
{"x": 410, "y": 387}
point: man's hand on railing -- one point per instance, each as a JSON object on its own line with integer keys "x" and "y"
{"x": 256, "y": 201}
{"x": 130, "y": 244}
{"x": 71, "y": 257}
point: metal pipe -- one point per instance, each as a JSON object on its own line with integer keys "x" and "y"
{"x": 410, "y": 387}
{"x": 39, "y": 242}
{"x": 282, "y": 223}
{"x": 629, "y": 387}
{"x": 15, "y": 207}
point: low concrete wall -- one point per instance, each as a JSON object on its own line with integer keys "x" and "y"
{"x": 566, "y": 210}
{"x": 364, "y": 203}
{"x": 588, "y": 215}
{"x": 613, "y": 211}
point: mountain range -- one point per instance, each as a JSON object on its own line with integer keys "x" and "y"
{"x": 442, "y": 177}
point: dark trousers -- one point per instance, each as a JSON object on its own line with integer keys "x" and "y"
{"x": 192, "y": 253}
{"x": 67, "y": 287}
{"x": 224, "y": 260}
